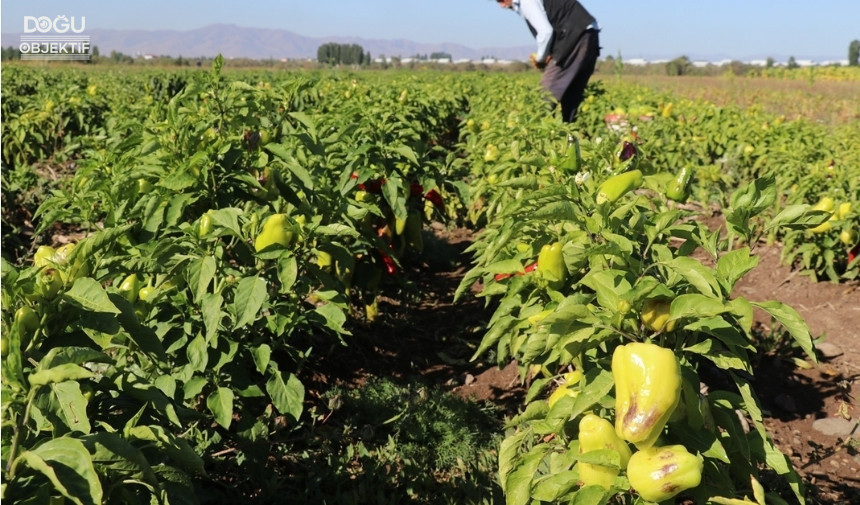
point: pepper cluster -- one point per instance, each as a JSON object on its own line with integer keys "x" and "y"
{"x": 647, "y": 392}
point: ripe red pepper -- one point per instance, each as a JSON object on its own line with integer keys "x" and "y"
{"x": 528, "y": 269}
{"x": 416, "y": 189}
{"x": 390, "y": 265}
{"x": 436, "y": 199}
{"x": 628, "y": 150}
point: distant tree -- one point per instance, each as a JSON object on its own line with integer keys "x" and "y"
{"x": 10, "y": 53}
{"x": 769, "y": 63}
{"x": 792, "y": 63}
{"x": 342, "y": 54}
{"x": 854, "y": 53}
{"x": 678, "y": 66}
{"x": 440, "y": 56}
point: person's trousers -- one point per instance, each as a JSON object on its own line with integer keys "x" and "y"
{"x": 566, "y": 80}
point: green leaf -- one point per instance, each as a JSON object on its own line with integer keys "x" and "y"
{"x": 333, "y": 316}
{"x": 793, "y": 322}
{"x": 608, "y": 285}
{"x": 113, "y": 455}
{"x": 90, "y": 295}
{"x": 287, "y": 396}
{"x": 698, "y": 275}
{"x": 509, "y": 451}
{"x": 732, "y": 266}
{"x": 197, "y": 352}
{"x": 262, "y": 355}
{"x": 696, "y": 306}
{"x": 201, "y": 272}
{"x": 518, "y": 485}
{"x": 72, "y": 405}
{"x": 220, "y": 403}
{"x": 59, "y": 373}
{"x": 288, "y": 272}
{"x": 174, "y": 447}
{"x": 249, "y": 298}
{"x": 69, "y": 467}
{"x": 553, "y": 487}
{"x": 210, "y": 308}
{"x": 798, "y": 217}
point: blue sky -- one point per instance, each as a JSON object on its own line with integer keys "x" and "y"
{"x": 655, "y": 28}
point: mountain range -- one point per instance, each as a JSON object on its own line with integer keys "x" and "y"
{"x": 233, "y": 41}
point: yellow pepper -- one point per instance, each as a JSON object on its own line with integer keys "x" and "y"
{"x": 551, "y": 265}
{"x": 277, "y": 230}
{"x": 596, "y": 433}
{"x": 647, "y": 391}
{"x": 655, "y": 315}
{"x": 660, "y": 473}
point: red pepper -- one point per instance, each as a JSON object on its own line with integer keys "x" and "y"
{"x": 628, "y": 150}
{"x": 390, "y": 265}
{"x": 854, "y": 253}
{"x": 416, "y": 189}
{"x": 528, "y": 269}
{"x": 436, "y": 199}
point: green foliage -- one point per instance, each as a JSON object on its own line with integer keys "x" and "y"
{"x": 116, "y": 396}
{"x": 391, "y": 443}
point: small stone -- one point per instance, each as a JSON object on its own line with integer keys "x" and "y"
{"x": 828, "y": 351}
{"x": 469, "y": 379}
{"x": 834, "y": 426}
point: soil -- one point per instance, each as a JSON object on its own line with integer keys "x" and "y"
{"x": 809, "y": 407}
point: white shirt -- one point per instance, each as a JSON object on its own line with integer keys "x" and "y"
{"x": 535, "y": 15}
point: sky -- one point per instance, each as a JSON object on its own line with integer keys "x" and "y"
{"x": 738, "y": 29}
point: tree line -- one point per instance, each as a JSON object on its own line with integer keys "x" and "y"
{"x": 342, "y": 54}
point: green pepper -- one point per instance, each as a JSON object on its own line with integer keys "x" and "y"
{"x": 144, "y": 186}
{"x": 679, "y": 186}
{"x": 551, "y": 265}
{"x": 44, "y": 256}
{"x": 572, "y": 158}
{"x": 596, "y": 433}
{"x": 399, "y": 225}
{"x": 617, "y": 186}
{"x": 660, "y": 473}
{"x": 49, "y": 283}
{"x": 204, "y": 227}
{"x": 414, "y": 239}
{"x": 647, "y": 390}
{"x": 27, "y": 320}
{"x": 129, "y": 288}
{"x": 277, "y": 230}
{"x": 147, "y": 294}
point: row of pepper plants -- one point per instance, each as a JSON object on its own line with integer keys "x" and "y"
{"x": 222, "y": 226}
{"x": 616, "y": 299}
{"x": 233, "y": 222}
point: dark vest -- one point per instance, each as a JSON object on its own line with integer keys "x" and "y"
{"x": 569, "y": 19}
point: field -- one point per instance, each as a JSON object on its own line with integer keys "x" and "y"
{"x": 413, "y": 287}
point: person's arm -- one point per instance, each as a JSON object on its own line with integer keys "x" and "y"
{"x": 533, "y": 12}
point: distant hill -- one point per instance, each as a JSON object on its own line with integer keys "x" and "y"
{"x": 259, "y": 43}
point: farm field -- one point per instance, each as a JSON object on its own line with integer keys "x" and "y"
{"x": 395, "y": 287}
{"x": 827, "y": 101}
